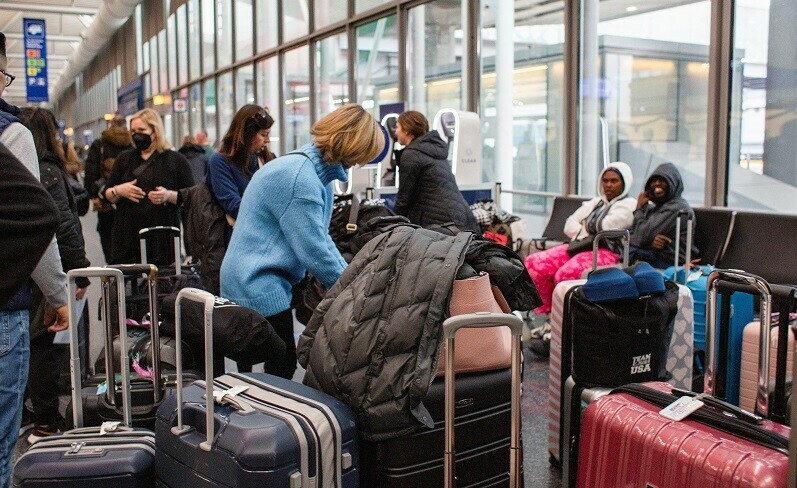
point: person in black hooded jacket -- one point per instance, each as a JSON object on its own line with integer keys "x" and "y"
{"x": 197, "y": 159}
{"x": 43, "y": 373}
{"x": 428, "y": 193}
{"x": 658, "y": 207}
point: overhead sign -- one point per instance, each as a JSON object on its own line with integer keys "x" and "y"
{"x": 35, "y": 36}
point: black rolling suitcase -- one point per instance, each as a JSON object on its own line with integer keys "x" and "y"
{"x": 101, "y": 402}
{"x": 487, "y": 425}
{"x": 256, "y": 430}
{"x": 114, "y": 454}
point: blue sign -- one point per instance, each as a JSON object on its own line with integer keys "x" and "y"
{"x": 35, "y": 35}
{"x": 390, "y": 108}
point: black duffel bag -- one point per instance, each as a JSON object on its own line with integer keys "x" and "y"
{"x": 622, "y": 341}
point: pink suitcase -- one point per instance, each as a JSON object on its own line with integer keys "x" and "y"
{"x": 749, "y": 369}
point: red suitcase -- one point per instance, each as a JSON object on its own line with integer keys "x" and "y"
{"x": 625, "y": 441}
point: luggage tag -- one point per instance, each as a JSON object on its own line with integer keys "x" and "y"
{"x": 682, "y": 407}
{"x": 109, "y": 426}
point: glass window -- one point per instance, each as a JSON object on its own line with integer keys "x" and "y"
{"x": 223, "y": 33}
{"x": 329, "y": 11}
{"x": 208, "y": 37}
{"x": 195, "y": 108}
{"x": 363, "y": 5}
{"x": 268, "y": 80}
{"x": 266, "y": 24}
{"x": 163, "y": 63}
{"x": 194, "y": 39}
{"x": 644, "y": 82}
{"x": 153, "y": 70}
{"x": 530, "y": 129}
{"x": 226, "y": 103}
{"x": 182, "y": 47}
{"x": 377, "y": 64}
{"x": 168, "y": 129}
{"x": 434, "y": 57}
{"x": 171, "y": 35}
{"x": 209, "y": 120}
{"x": 296, "y": 19}
{"x": 297, "y": 98}
{"x": 181, "y": 119}
{"x": 139, "y": 51}
{"x": 332, "y": 74}
{"x": 244, "y": 86}
{"x": 762, "y": 167}
{"x": 243, "y": 29}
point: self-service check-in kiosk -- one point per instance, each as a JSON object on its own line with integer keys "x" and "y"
{"x": 462, "y": 131}
{"x": 365, "y": 176}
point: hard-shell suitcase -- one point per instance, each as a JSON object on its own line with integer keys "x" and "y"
{"x": 679, "y": 359}
{"x": 625, "y": 441}
{"x": 113, "y": 454}
{"x": 253, "y": 430}
{"x": 748, "y": 376}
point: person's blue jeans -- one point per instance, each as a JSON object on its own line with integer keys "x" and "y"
{"x": 14, "y": 358}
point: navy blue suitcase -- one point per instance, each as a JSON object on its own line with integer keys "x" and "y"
{"x": 113, "y": 454}
{"x": 260, "y": 430}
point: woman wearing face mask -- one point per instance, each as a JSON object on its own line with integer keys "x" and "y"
{"x": 231, "y": 168}
{"x": 143, "y": 184}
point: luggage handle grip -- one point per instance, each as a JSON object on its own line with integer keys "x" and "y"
{"x": 137, "y": 269}
{"x": 74, "y": 354}
{"x": 208, "y": 300}
{"x": 732, "y": 279}
{"x": 161, "y": 229}
{"x": 482, "y": 320}
{"x": 608, "y": 234}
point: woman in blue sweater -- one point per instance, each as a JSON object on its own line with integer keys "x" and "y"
{"x": 283, "y": 222}
{"x": 230, "y": 169}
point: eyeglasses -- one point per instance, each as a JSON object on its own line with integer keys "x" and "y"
{"x": 9, "y": 77}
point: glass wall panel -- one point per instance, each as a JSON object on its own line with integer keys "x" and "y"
{"x": 644, "y": 86}
{"x": 181, "y": 120}
{"x": 163, "y": 63}
{"x": 153, "y": 70}
{"x": 268, "y": 86}
{"x": 377, "y": 64}
{"x": 208, "y": 36}
{"x": 297, "y": 97}
{"x": 194, "y": 40}
{"x": 434, "y": 57}
{"x": 223, "y": 33}
{"x": 209, "y": 103}
{"x": 266, "y": 25}
{"x": 139, "y": 38}
{"x": 225, "y": 102}
{"x": 295, "y": 19}
{"x": 762, "y": 159}
{"x": 244, "y": 86}
{"x": 182, "y": 47}
{"x": 522, "y": 121}
{"x": 332, "y": 74}
{"x": 363, "y": 5}
{"x": 329, "y": 11}
{"x": 195, "y": 108}
{"x": 243, "y": 29}
{"x": 171, "y": 36}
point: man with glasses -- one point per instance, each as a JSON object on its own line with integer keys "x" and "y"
{"x": 48, "y": 275}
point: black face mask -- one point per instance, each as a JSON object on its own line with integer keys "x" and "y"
{"x": 142, "y": 141}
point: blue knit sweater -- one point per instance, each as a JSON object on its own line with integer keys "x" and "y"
{"x": 227, "y": 182}
{"x": 282, "y": 231}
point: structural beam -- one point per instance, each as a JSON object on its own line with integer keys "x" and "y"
{"x": 48, "y": 9}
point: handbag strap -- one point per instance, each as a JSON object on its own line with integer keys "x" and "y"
{"x": 353, "y": 214}
{"x": 139, "y": 170}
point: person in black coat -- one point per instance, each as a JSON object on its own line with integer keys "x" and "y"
{"x": 197, "y": 159}
{"x": 143, "y": 184}
{"x": 43, "y": 373}
{"x": 428, "y": 193}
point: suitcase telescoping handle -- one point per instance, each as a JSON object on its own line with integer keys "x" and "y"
{"x": 106, "y": 275}
{"x": 174, "y": 232}
{"x": 733, "y": 280}
{"x": 793, "y": 437}
{"x": 477, "y": 320}
{"x": 683, "y": 215}
{"x": 625, "y": 239}
{"x": 207, "y": 300}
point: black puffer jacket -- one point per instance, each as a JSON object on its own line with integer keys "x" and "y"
{"x": 197, "y": 160}
{"x": 428, "y": 193}
{"x": 652, "y": 220}
{"x": 373, "y": 340}
{"x": 205, "y": 226}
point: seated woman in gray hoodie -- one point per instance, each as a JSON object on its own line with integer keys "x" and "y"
{"x": 653, "y": 229}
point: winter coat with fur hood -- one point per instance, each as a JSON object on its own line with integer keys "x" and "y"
{"x": 615, "y": 214}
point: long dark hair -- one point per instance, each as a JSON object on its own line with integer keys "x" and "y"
{"x": 42, "y": 124}
{"x": 248, "y": 121}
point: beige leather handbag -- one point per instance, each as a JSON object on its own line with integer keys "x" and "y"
{"x": 478, "y": 349}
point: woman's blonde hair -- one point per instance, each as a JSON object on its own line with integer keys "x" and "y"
{"x": 348, "y": 134}
{"x": 153, "y": 120}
